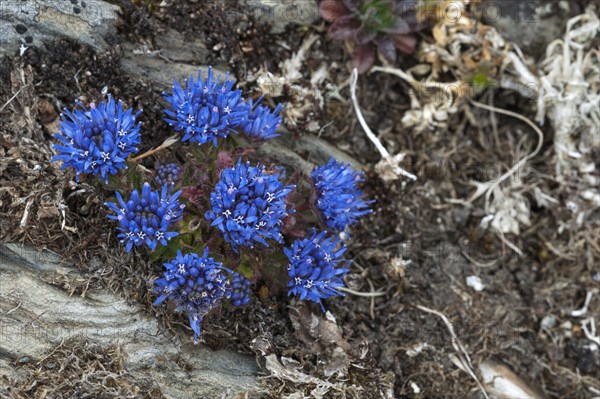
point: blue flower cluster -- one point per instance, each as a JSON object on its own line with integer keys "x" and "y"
{"x": 145, "y": 218}
{"x": 197, "y": 284}
{"x": 337, "y": 198}
{"x": 261, "y": 123}
{"x": 206, "y": 109}
{"x": 248, "y": 205}
{"x": 167, "y": 174}
{"x": 315, "y": 271}
{"x": 99, "y": 140}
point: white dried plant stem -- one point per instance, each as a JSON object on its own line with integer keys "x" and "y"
{"x": 363, "y": 294}
{"x": 489, "y": 186}
{"x": 12, "y": 98}
{"x": 568, "y": 95}
{"x": 463, "y": 360}
{"x": 418, "y": 85}
{"x": 23, "y": 222}
{"x": 166, "y": 144}
{"x": 387, "y": 157}
{"x": 382, "y": 150}
{"x": 591, "y": 332}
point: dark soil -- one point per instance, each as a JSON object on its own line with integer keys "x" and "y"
{"x": 412, "y": 222}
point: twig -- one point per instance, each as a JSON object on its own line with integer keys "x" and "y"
{"x": 76, "y": 77}
{"x": 488, "y": 187}
{"x": 591, "y": 333}
{"x": 372, "y": 307}
{"x": 509, "y": 244}
{"x": 475, "y": 261}
{"x": 15, "y": 309}
{"x": 382, "y": 150}
{"x": 463, "y": 357}
{"x": 13, "y": 97}
{"x": 415, "y": 83}
{"x": 62, "y": 341}
{"x": 584, "y": 308}
{"x": 392, "y": 161}
{"x": 23, "y": 222}
{"x": 363, "y": 294}
{"x": 167, "y": 143}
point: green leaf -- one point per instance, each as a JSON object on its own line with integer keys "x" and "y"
{"x": 133, "y": 177}
{"x": 481, "y": 80}
{"x": 245, "y": 267}
{"x": 168, "y": 252}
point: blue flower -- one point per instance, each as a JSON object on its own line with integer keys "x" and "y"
{"x": 196, "y": 284}
{"x": 315, "y": 271}
{"x": 99, "y": 140}
{"x": 167, "y": 174}
{"x": 205, "y": 109}
{"x": 146, "y": 218}
{"x": 261, "y": 123}
{"x": 240, "y": 290}
{"x": 248, "y": 205}
{"x": 337, "y": 198}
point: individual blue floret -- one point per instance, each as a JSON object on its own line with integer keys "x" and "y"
{"x": 240, "y": 290}
{"x": 196, "y": 284}
{"x": 337, "y": 198}
{"x": 206, "y": 109}
{"x": 261, "y": 123}
{"x": 167, "y": 174}
{"x": 248, "y": 205}
{"x": 146, "y": 218}
{"x": 99, "y": 140}
{"x": 316, "y": 267}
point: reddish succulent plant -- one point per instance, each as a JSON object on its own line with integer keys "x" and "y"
{"x": 374, "y": 25}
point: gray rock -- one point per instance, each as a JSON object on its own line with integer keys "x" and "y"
{"x": 285, "y": 149}
{"x": 157, "y": 70}
{"x": 176, "y": 58}
{"x": 531, "y": 24}
{"x": 36, "y": 314}
{"x": 30, "y": 23}
{"x": 282, "y": 13}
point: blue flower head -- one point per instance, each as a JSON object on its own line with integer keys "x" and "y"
{"x": 196, "y": 283}
{"x": 248, "y": 205}
{"x": 316, "y": 268}
{"x": 240, "y": 290}
{"x": 167, "y": 174}
{"x": 146, "y": 218}
{"x": 338, "y": 200}
{"x": 99, "y": 140}
{"x": 206, "y": 109}
{"x": 261, "y": 123}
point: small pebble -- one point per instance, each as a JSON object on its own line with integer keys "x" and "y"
{"x": 475, "y": 283}
{"x": 24, "y": 360}
{"x": 548, "y": 322}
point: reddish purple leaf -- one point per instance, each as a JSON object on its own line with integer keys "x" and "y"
{"x": 363, "y": 57}
{"x": 387, "y": 49}
{"x": 364, "y": 37}
{"x": 332, "y": 10}
{"x": 405, "y": 43}
{"x": 352, "y": 5}
{"x": 400, "y": 27}
{"x": 344, "y": 28}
